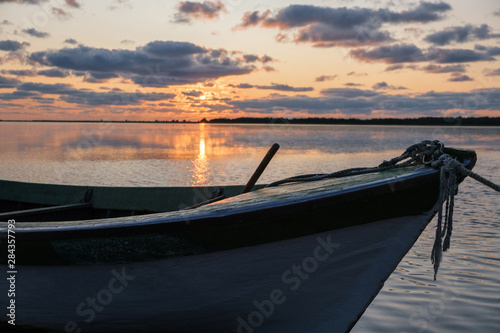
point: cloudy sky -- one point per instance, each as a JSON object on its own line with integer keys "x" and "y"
{"x": 164, "y": 60}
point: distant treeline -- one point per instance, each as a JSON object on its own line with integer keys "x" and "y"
{"x": 423, "y": 121}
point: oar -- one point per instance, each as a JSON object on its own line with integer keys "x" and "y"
{"x": 260, "y": 169}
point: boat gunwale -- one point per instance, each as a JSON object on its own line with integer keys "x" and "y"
{"x": 195, "y": 218}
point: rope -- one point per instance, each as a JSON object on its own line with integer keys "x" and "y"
{"x": 429, "y": 153}
{"x": 417, "y": 154}
{"x": 450, "y": 170}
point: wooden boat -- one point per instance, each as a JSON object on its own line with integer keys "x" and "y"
{"x": 305, "y": 256}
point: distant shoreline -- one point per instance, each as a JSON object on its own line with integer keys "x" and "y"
{"x": 422, "y": 121}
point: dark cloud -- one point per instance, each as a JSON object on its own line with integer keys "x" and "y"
{"x": 172, "y": 49}
{"x": 44, "y": 88}
{"x": 35, "y": 33}
{"x": 85, "y": 97}
{"x": 323, "y": 78}
{"x": 446, "y": 56}
{"x": 357, "y": 101}
{"x": 273, "y": 86}
{"x": 193, "y": 93}
{"x": 391, "y": 54}
{"x": 356, "y": 74}
{"x": 6, "y": 22}
{"x": 54, "y": 72}
{"x": 457, "y": 77}
{"x": 461, "y": 35}
{"x": 70, "y": 41}
{"x": 242, "y": 86}
{"x": 6, "y": 82}
{"x": 385, "y": 86}
{"x": 17, "y": 95}
{"x": 285, "y": 87}
{"x": 98, "y": 77}
{"x": 394, "y": 67}
{"x": 431, "y": 68}
{"x": 493, "y": 51}
{"x": 189, "y": 10}
{"x": 12, "y": 45}
{"x": 254, "y": 58}
{"x": 492, "y": 72}
{"x": 400, "y": 53}
{"x": 348, "y": 92}
{"x": 328, "y": 26}
{"x": 19, "y": 72}
{"x": 157, "y": 64}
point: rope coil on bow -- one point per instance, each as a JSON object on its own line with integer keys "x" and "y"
{"x": 429, "y": 153}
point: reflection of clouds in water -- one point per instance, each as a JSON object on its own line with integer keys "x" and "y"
{"x": 207, "y": 154}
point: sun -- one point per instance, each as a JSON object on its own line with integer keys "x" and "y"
{"x": 203, "y": 97}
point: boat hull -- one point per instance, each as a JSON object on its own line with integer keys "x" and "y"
{"x": 312, "y": 283}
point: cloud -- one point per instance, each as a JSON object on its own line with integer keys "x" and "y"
{"x": 17, "y": 95}
{"x": 394, "y": 67}
{"x": 6, "y": 82}
{"x": 90, "y": 98}
{"x": 72, "y": 3}
{"x": 285, "y": 87}
{"x": 431, "y": 68}
{"x": 323, "y": 78}
{"x": 348, "y": 92}
{"x": 273, "y": 86}
{"x": 492, "y": 72}
{"x": 446, "y": 56}
{"x": 384, "y": 85}
{"x": 461, "y": 35}
{"x": 457, "y": 77}
{"x": 54, "y": 72}
{"x": 19, "y": 72}
{"x": 350, "y": 101}
{"x": 193, "y": 93}
{"x": 189, "y": 10}
{"x": 12, "y": 45}
{"x": 60, "y": 14}
{"x": 156, "y": 64}
{"x": 401, "y": 53}
{"x": 70, "y": 41}
{"x": 35, "y": 33}
{"x": 392, "y": 54}
{"x": 328, "y": 26}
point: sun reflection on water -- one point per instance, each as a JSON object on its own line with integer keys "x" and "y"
{"x": 201, "y": 172}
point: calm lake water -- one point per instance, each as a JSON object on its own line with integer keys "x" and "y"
{"x": 466, "y": 295}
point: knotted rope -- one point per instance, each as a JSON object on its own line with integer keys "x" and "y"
{"x": 416, "y": 154}
{"x": 450, "y": 171}
{"x": 429, "y": 153}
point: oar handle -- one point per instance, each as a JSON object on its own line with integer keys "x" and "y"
{"x": 260, "y": 169}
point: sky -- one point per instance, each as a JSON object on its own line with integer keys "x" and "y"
{"x": 188, "y": 60}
